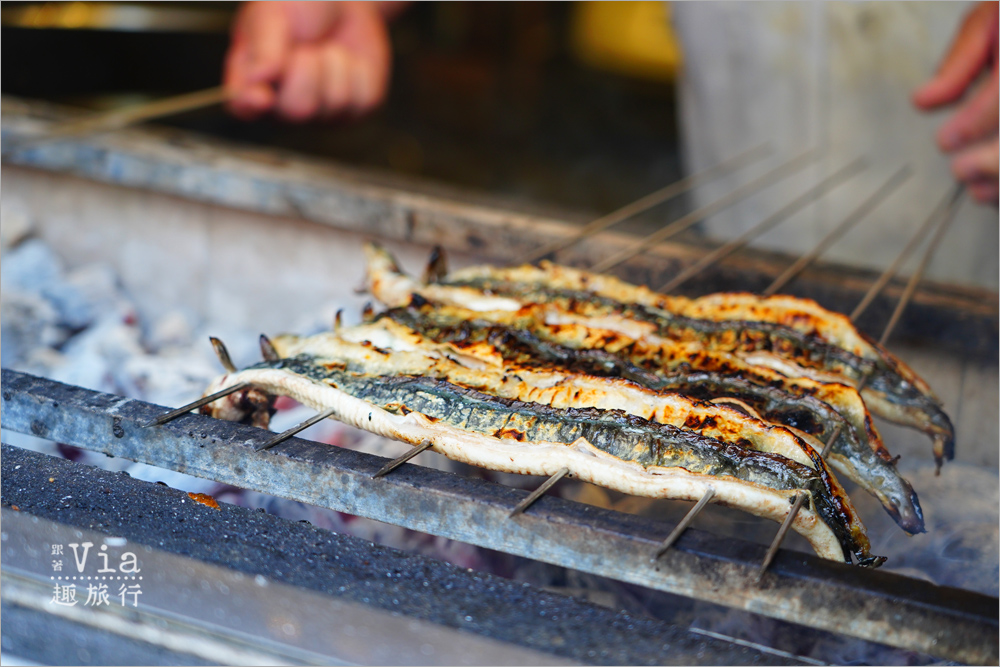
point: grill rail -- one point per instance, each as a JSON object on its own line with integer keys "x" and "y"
{"x": 876, "y": 606}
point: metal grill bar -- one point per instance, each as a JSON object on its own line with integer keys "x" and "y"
{"x": 876, "y": 606}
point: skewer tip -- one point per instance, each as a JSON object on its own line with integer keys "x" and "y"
{"x": 437, "y": 266}
{"x": 267, "y": 349}
{"x": 223, "y": 354}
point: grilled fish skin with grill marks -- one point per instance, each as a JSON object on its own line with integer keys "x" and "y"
{"x": 804, "y": 315}
{"x": 606, "y": 447}
{"x": 871, "y": 467}
{"x": 781, "y": 348}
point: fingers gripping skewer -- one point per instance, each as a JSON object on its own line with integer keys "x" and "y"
{"x": 649, "y": 201}
{"x": 682, "y": 223}
{"x": 395, "y": 463}
{"x": 943, "y": 215}
{"x": 539, "y": 492}
{"x": 795, "y": 205}
{"x": 685, "y": 522}
{"x": 848, "y": 223}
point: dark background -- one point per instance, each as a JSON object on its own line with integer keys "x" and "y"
{"x": 484, "y": 95}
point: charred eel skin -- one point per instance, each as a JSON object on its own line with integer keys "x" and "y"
{"x": 875, "y": 473}
{"x": 624, "y": 436}
{"x": 885, "y": 384}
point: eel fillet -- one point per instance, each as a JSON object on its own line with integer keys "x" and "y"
{"x": 606, "y": 447}
{"x": 892, "y": 391}
{"x": 866, "y": 462}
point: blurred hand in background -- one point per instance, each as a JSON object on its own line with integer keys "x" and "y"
{"x": 970, "y": 134}
{"x": 305, "y": 60}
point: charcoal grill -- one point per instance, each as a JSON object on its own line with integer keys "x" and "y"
{"x": 229, "y": 209}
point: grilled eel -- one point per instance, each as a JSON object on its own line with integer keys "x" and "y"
{"x": 607, "y": 447}
{"x": 892, "y": 390}
{"x": 866, "y": 462}
{"x": 803, "y": 315}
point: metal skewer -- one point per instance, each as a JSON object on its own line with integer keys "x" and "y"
{"x": 538, "y": 493}
{"x": 887, "y": 275}
{"x": 205, "y": 400}
{"x": 947, "y": 211}
{"x": 911, "y": 285}
{"x": 649, "y": 201}
{"x": 781, "y": 215}
{"x": 780, "y": 537}
{"x": 682, "y": 223}
{"x": 682, "y": 526}
{"x": 845, "y": 226}
{"x": 396, "y": 462}
{"x": 298, "y": 428}
{"x": 124, "y": 116}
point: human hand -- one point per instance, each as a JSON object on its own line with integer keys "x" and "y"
{"x": 970, "y": 134}
{"x": 308, "y": 59}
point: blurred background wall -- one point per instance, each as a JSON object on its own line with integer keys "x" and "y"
{"x": 579, "y": 108}
{"x": 837, "y": 75}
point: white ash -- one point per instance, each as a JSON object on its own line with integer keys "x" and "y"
{"x": 80, "y": 327}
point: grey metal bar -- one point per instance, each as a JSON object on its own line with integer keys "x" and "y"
{"x": 649, "y": 201}
{"x": 800, "y": 588}
{"x": 682, "y": 223}
{"x": 807, "y": 197}
{"x": 848, "y": 223}
{"x": 116, "y": 119}
{"x": 342, "y": 568}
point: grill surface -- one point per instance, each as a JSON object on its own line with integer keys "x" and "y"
{"x": 872, "y": 605}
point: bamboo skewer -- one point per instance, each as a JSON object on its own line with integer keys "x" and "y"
{"x": 686, "y": 221}
{"x": 116, "y": 119}
{"x": 781, "y": 215}
{"x": 848, "y": 223}
{"x": 649, "y": 201}
{"x": 946, "y": 213}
